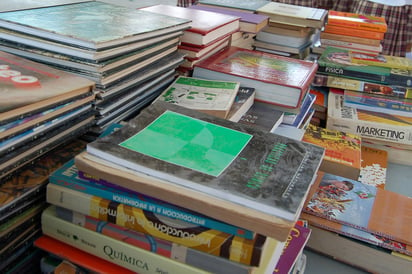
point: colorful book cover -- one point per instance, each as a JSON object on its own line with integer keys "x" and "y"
{"x": 277, "y": 79}
{"x": 93, "y": 25}
{"x": 362, "y": 206}
{"x": 373, "y": 125}
{"x": 342, "y": 150}
{"x": 168, "y": 249}
{"x": 374, "y": 166}
{"x": 214, "y": 242}
{"x": 337, "y": 62}
{"x": 67, "y": 176}
{"x": 381, "y": 60}
{"x": 219, "y": 149}
{"x": 356, "y": 20}
{"x": 341, "y": 30}
{"x": 208, "y": 96}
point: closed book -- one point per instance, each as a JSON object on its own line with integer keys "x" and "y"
{"x": 374, "y": 166}
{"x": 206, "y": 27}
{"x": 227, "y": 190}
{"x": 342, "y": 30}
{"x": 277, "y": 79}
{"x": 113, "y": 25}
{"x": 362, "y": 206}
{"x": 294, "y": 14}
{"x": 342, "y": 150}
{"x": 243, "y": 101}
{"x": 357, "y": 21}
{"x": 247, "y": 6}
{"x": 208, "y": 96}
{"x": 197, "y": 53}
{"x": 67, "y": 176}
{"x": 268, "y": 36}
{"x": 350, "y": 38}
{"x": 381, "y": 60}
{"x": 392, "y": 129}
{"x": 361, "y": 48}
{"x": 264, "y": 116}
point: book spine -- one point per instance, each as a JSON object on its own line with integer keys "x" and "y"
{"x": 350, "y": 45}
{"x": 353, "y": 32}
{"x": 357, "y": 21}
{"x": 69, "y": 176}
{"x": 167, "y": 249}
{"x": 346, "y": 119}
{"x": 214, "y": 242}
{"x": 117, "y": 252}
{"x": 357, "y": 75}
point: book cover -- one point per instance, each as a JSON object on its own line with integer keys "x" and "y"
{"x": 297, "y": 120}
{"x": 342, "y": 150}
{"x": 195, "y": 236}
{"x": 337, "y": 62}
{"x": 67, "y": 176}
{"x": 263, "y": 115}
{"x": 208, "y": 96}
{"x": 357, "y": 21}
{"x": 340, "y": 30}
{"x": 381, "y": 60}
{"x": 277, "y": 79}
{"x": 350, "y": 38}
{"x": 198, "y": 53}
{"x": 269, "y": 189}
{"x": 294, "y": 14}
{"x": 243, "y": 102}
{"x": 362, "y": 86}
{"x": 27, "y": 86}
{"x": 392, "y": 129}
{"x": 205, "y": 26}
{"x": 168, "y": 249}
{"x": 362, "y": 206}
{"x": 352, "y": 46}
{"x": 249, "y": 6}
{"x": 374, "y": 166}
{"x": 92, "y": 25}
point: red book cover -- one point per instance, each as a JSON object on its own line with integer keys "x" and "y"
{"x": 77, "y": 256}
{"x": 277, "y": 79}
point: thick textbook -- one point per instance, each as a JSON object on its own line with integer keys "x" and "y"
{"x": 117, "y": 252}
{"x": 205, "y": 28}
{"x": 357, "y": 21}
{"x": 208, "y": 96}
{"x": 392, "y": 129}
{"x": 362, "y": 206}
{"x": 185, "y": 156}
{"x": 67, "y": 176}
{"x": 277, "y": 79}
{"x": 92, "y": 25}
{"x": 168, "y": 249}
{"x": 294, "y": 14}
{"x": 28, "y": 87}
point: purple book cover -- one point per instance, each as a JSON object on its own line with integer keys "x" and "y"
{"x": 244, "y": 16}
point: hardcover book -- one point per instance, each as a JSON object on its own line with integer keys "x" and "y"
{"x": 374, "y": 166}
{"x": 294, "y": 14}
{"x": 342, "y": 150}
{"x": 206, "y": 27}
{"x": 28, "y": 87}
{"x": 362, "y": 206}
{"x": 208, "y": 96}
{"x": 357, "y": 21}
{"x": 392, "y": 129}
{"x": 271, "y": 189}
{"x": 337, "y": 62}
{"x": 92, "y": 25}
{"x": 247, "y": 6}
{"x": 277, "y": 79}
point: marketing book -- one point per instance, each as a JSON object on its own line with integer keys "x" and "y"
{"x": 113, "y": 25}
{"x": 362, "y": 206}
{"x": 208, "y": 96}
{"x": 277, "y": 79}
{"x": 272, "y": 190}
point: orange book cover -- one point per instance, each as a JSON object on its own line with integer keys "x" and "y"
{"x": 342, "y": 150}
{"x": 342, "y": 30}
{"x": 373, "y": 166}
{"x": 357, "y": 21}
{"x": 362, "y": 206}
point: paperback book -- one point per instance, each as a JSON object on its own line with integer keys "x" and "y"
{"x": 264, "y": 116}
{"x": 362, "y": 206}
{"x": 277, "y": 79}
{"x": 247, "y": 6}
{"x": 342, "y": 30}
{"x": 271, "y": 189}
{"x": 374, "y": 166}
{"x": 244, "y": 100}
{"x": 357, "y": 21}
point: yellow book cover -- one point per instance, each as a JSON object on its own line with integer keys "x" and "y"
{"x": 381, "y": 60}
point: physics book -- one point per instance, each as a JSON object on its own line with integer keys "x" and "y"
{"x": 220, "y": 148}
{"x": 365, "y": 207}
{"x": 277, "y": 79}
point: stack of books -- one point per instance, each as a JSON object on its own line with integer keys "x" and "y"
{"x": 129, "y": 54}
{"x": 353, "y": 31}
{"x": 290, "y": 29}
{"x": 210, "y": 32}
{"x": 42, "y": 108}
{"x": 180, "y": 191}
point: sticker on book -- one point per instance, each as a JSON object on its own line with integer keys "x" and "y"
{"x": 189, "y": 142}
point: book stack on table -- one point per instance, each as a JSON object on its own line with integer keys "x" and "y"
{"x": 183, "y": 191}
{"x": 130, "y": 54}
{"x": 290, "y": 30}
